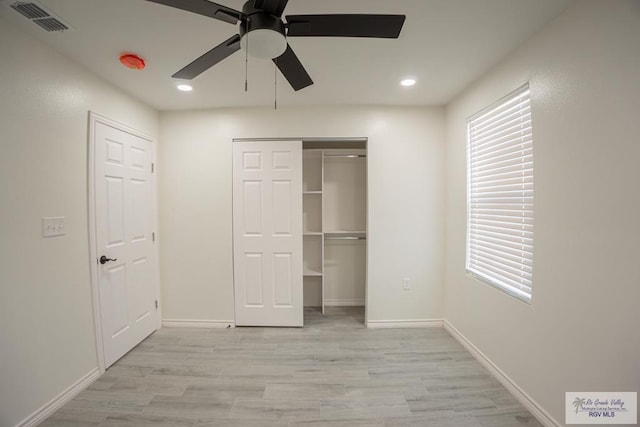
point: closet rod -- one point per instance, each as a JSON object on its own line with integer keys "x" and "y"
{"x": 350, "y": 156}
{"x": 345, "y": 238}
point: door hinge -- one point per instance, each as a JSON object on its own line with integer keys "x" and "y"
{"x": 156, "y": 304}
{"x": 153, "y": 167}
{"x": 153, "y": 237}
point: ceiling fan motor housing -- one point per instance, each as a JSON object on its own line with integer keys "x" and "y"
{"x": 263, "y": 32}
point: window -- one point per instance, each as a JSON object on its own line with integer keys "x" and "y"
{"x": 500, "y": 195}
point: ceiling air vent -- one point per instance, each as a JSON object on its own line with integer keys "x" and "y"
{"x": 40, "y": 15}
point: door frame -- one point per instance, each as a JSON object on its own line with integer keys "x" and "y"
{"x": 329, "y": 143}
{"x": 95, "y": 118}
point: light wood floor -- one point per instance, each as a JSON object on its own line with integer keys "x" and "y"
{"x": 333, "y": 372}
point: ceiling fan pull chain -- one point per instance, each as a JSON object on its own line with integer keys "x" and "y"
{"x": 246, "y": 62}
{"x": 275, "y": 84}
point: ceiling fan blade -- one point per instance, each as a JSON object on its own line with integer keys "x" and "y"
{"x": 209, "y": 59}
{"x": 377, "y": 26}
{"x": 274, "y": 7}
{"x": 206, "y": 8}
{"x": 293, "y": 70}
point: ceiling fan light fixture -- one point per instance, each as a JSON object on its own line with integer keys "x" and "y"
{"x": 264, "y": 43}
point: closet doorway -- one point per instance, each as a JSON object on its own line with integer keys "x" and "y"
{"x": 303, "y": 254}
{"x": 335, "y": 228}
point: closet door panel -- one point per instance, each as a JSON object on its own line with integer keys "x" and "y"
{"x": 252, "y": 208}
{"x": 282, "y": 279}
{"x": 282, "y": 208}
{"x": 253, "y": 273}
{"x": 267, "y": 232}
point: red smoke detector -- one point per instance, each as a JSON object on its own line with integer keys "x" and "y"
{"x": 132, "y": 61}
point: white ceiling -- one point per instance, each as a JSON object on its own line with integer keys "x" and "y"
{"x": 445, "y": 44}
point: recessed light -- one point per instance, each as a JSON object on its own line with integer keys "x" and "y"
{"x": 184, "y": 87}
{"x": 408, "y": 82}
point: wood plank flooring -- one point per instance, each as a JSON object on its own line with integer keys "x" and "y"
{"x": 332, "y": 372}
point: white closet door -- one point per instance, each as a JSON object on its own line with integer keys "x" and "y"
{"x": 267, "y": 230}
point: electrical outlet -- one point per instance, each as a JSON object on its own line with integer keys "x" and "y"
{"x": 53, "y": 226}
{"x": 406, "y": 284}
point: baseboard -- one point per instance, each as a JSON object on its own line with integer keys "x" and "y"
{"x": 60, "y": 400}
{"x": 526, "y": 400}
{"x": 196, "y": 323}
{"x": 408, "y": 323}
{"x": 343, "y": 302}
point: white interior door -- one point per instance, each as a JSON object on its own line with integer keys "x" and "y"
{"x": 267, "y": 230}
{"x": 124, "y": 219}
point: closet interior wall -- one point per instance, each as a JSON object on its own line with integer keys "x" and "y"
{"x": 335, "y": 226}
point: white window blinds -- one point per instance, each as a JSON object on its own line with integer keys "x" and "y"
{"x": 500, "y": 195}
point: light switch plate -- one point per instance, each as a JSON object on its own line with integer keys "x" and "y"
{"x": 53, "y": 226}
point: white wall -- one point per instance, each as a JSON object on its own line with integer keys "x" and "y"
{"x": 581, "y": 332}
{"x": 405, "y": 195}
{"x": 46, "y": 322}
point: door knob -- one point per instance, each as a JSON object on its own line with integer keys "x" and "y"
{"x": 104, "y": 259}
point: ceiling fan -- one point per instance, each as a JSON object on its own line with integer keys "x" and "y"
{"x": 263, "y": 33}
